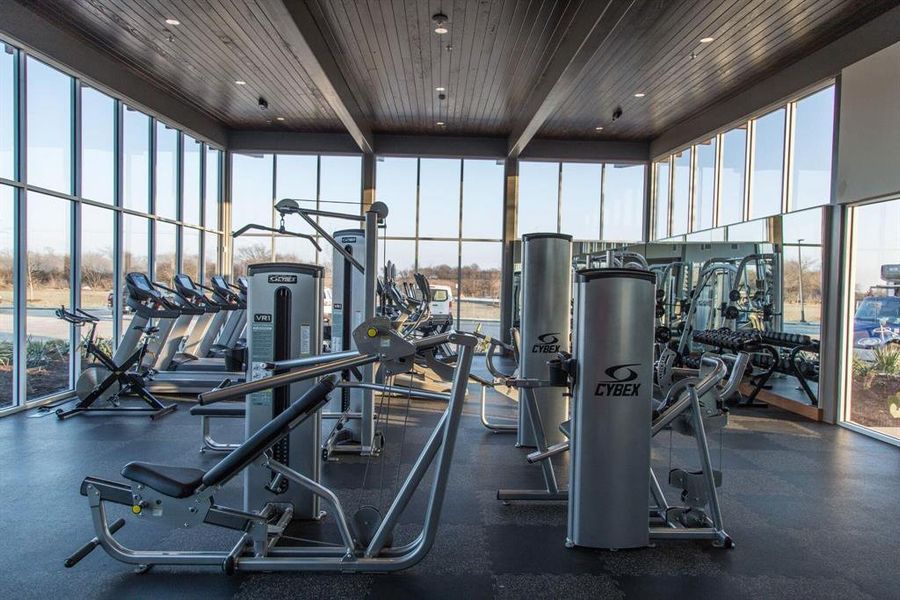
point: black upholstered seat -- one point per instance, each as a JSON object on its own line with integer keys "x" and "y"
{"x": 218, "y": 410}
{"x": 177, "y": 482}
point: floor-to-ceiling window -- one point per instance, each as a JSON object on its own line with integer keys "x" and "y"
{"x": 317, "y": 182}
{"x": 661, "y": 199}
{"x": 47, "y": 287}
{"x": 99, "y": 187}
{"x": 872, "y": 397}
{"x": 445, "y": 222}
{"x": 589, "y": 201}
{"x": 8, "y": 357}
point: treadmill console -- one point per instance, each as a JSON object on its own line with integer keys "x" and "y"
{"x": 140, "y": 288}
{"x": 185, "y": 285}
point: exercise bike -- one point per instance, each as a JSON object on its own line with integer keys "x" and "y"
{"x": 104, "y": 381}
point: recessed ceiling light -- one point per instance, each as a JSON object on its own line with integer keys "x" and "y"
{"x": 639, "y": 94}
{"x": 440, "y": 89}
{"x": 279, "y": 118}
{"x": 173, "y": 22}
{"x": 240, "y": 82}
{"x": 707, "y": 40}
{"x": 440, "y": 23}
{"x": 598, "y": 128}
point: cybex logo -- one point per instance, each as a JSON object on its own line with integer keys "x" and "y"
{"x": 548, "y": 343}
{"x": 348, "y": 240}
{"x": 262, "y": 318}
{"x": 282, "y": 279}
{"x": 619, "y": 382}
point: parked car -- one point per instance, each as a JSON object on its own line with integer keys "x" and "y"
{"x": 877, "y": 321}
{"x": 441, "y": 304}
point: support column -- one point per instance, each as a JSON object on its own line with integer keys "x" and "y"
{"x": 368, "y": 182}
{"x": 835, "y": 276}
{"x": 510, "y": 208}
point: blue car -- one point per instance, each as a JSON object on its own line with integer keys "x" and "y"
{"x": 877, "y": 322}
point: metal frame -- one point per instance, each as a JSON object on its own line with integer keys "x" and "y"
{"x": 257, "y": 549}
{"x": 21, "y": 188}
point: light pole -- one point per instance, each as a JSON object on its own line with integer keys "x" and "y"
{"x": 800, "y": 269}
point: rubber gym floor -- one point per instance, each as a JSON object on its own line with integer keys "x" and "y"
{"x": 813, "y": 510}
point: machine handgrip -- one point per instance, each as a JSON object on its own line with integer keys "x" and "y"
{"x": 75, "y": 558}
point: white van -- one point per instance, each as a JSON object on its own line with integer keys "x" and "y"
{"x": 441, "y": 303}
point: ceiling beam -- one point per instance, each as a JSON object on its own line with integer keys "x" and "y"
{"x": 589, "y": 29}
{"x": 300, "y": 32}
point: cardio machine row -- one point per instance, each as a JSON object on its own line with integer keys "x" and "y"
{"x": 177, "y": 340}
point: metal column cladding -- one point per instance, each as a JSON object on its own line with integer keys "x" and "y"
{"x": 609, "y": 486}
{"x": 348, "y": 306}
{"x": 545, "y": 327}
{"x": 284, "y": 320}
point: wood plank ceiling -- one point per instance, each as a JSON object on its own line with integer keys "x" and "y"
{"x": 488, "y": 61}
{"x": 657, "y": 52}
{"x": 217, "y": 43}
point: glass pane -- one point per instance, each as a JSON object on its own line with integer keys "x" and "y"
{"x": 439, "y": 262}
{"x": 190, "y": 252}
{"x": 579, "y": 211}
{"x": 213, "y": 198}
{"x": 49, "y": 127}
{"x": 164, "y": 265}
{"x": 296, "y": 177}
{"x": 734, "y": 158}
{"x": 98, "y": 142}
{"x": 482, "y": 199}
{"x": 166, "y": 171}
{"x": 8, "y": 112}
{"x": 681, "y": 193}
{"x": 705, "y": 185}
{"x": 136, "y": 160}
{"x": 395, "y": 185}
{"x": 749, "y": 231}
{"x": 7, "y": 249}
{"x": 297, "y": 250}
{"x": 135, "y": 242}
{"x": 340, "y": 190}
{"x": 479, "y": 294}
{"x": 709, "y": 235}
{"x": 211, "y": 255}
{"x": 248, "y": 250}
{"x": 538, "y": 197}
{"x": 662, "y": 200}
{"x": 768, "y": 165}
{"x": 402, "y": 253}
{"x": 97, "y": 252}
{"x": 623, "y": 203}
{"x": 813, "y": 131}
{"x": 47, "y": 271}
{"x": 804, "y": 227}
{"x": 874, "y": 394}
{"x": 802, "y": 289}
{"x": 439, "y": 181}
{"x": 190, "y": 200}
{"x": 135, "y": 249}
{"x": 251, "y": 190}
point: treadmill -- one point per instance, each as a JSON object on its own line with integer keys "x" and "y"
{"x": 235, "y": 297}
{"x": 192, "y": 376}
